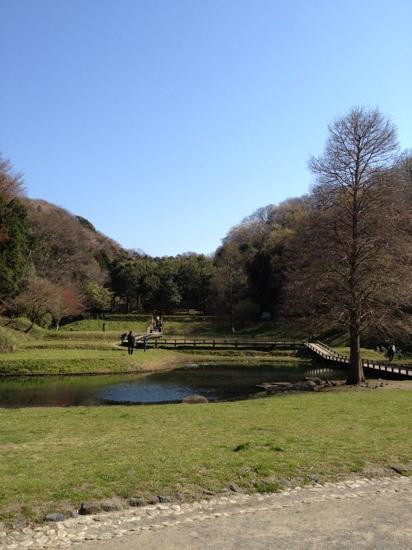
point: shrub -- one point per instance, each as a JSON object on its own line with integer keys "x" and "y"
{"x": 9, "y": 341}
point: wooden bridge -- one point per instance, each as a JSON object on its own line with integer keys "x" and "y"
{"x": 332, "y": 356}
{"x": 226, "y": 343}
{"x": 157, "y": 340}
{"x": 319, "y": 349}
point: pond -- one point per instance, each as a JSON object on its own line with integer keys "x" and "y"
{"x": 216, "y": 382}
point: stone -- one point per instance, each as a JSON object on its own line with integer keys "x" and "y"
{"x": 87, "y": 508}
{"x": 153, "y": 500}
{"x": 137, "y": 501}
{"x": 234, "y": 487}
{"x": 190, "y": 399}
{"x": 276, "y": 387}
{"x": 314, "y": 478}
{"x": 74, "y": 514}
{"x": 179, "y": 496}
{"x": 317, "y": 381}
{"x": 55, "y": 516}
{"x": 401, "y": 469}
{"x": 164, "y": 498}
{"x": 112, "y": 505}
{"x": 307, "y": 385}
{"x": 18, "y": 524}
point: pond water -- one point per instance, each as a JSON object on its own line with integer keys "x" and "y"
{"x": 217, "y": 383}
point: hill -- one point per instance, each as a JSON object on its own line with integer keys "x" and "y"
{"x": 67, "y": 249}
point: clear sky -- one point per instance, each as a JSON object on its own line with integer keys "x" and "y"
{"x": 165, "y": 122}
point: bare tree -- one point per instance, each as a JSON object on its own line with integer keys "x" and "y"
{"x": 11, "y": 182}
{"x": 228, "y": 282}
{"x": 354, "y": 250}
{"x": 36, "y": 300}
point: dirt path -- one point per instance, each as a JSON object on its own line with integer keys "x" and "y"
{"x": 360, "y": 513}
{"x": 355, "y": 515}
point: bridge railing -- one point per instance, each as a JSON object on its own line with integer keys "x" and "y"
{"x": 329, "y": 354}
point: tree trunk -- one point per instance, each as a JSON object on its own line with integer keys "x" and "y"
{"x": 356, "y": 375}
{"x": 30, "y": 327}
{"x": 232, "y": 317}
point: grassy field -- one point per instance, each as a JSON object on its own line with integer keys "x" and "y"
{"x": 85, "y": 361}
{"x": 137, "y": 326}
{"x": 82, "y": 347}
{"x": 179, "y": 325}
{"x": 52, "y": 459}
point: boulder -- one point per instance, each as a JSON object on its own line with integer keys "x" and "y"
{"x": 137, "y": 501}
{"x": 55, "y": 516}
{"x": 195, "y": 399}
{"x": 112, "y": 505}
{"x": 317, "y": 381}
{"x": 276, "y": 387}
{"x": 164, "y": 499}
{"x": 401, "y": 469}
{"x": 87, "y": 508}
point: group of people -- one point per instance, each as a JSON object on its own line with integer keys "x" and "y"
{"x": 157, "y": 324}
{"x": 390, "y": 350}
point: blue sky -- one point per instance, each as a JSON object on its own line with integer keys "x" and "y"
{"x": 165, "y": 122}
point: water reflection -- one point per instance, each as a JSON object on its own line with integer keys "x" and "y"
{"x": 217, "y": 383}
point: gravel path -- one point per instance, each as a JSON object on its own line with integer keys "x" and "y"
{"x": 359, "y": 513}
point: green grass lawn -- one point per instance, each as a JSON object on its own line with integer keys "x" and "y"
{"x": 137, "y": 325}
{"x": 82, "y": 361}
{"x": 52, "y": 459}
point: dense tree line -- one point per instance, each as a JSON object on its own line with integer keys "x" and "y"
{"x": 145, "y": 283}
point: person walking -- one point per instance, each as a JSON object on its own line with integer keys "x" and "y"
{"x": 131, "y": 340}
{"x": 391, "y": 352}
{"x": 144, "y": 344}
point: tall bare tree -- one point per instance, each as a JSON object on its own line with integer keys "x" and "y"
{"x": 354, "y": 250}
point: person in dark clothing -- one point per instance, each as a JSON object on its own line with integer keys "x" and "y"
{"x": 144, "y": 344}
{"x": 391, "y": 352}
{"x": 104, "y": 327}
{"x": 131, "y": 340}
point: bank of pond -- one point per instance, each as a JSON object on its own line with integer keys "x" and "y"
{"x": 217, "y": 382}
